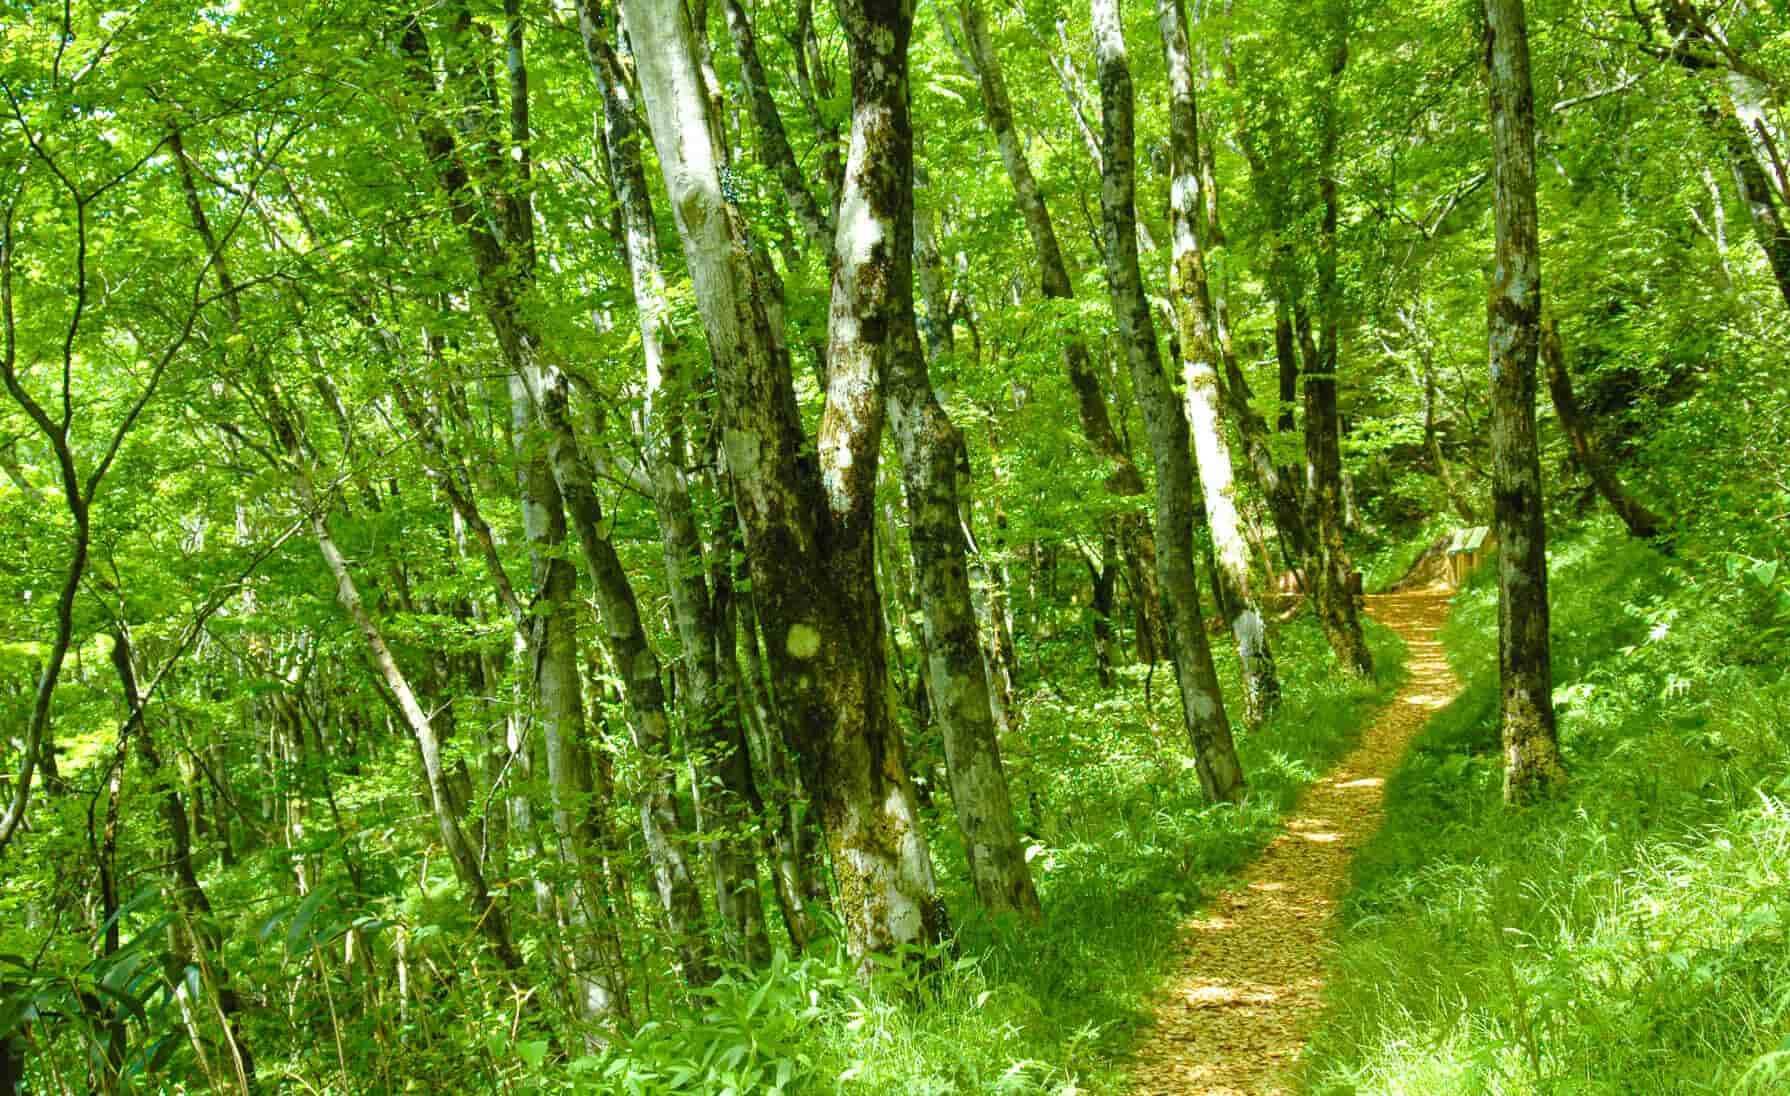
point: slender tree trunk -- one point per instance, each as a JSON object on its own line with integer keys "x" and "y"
{"x": 1532, "y": 765}
{"x": 1642, "y": 522}
{"x": 809, "y": 522}
{"x": 932, "y": 454}
{"x": 1327, "y": 575}
{"x": 725, "y": 807}
{"x": 1104, "y": 576}
{"x": 1093, "y": 410}
{"x": 487, "y": 913}
{"x": 552, "y": 650}
{"x": 203, "y": 942}
{"x": 816, "y": 220}
{"x": 1425, "y": 376}
{"x": 1197, "y": 323}
{"x": 1741, "y": 125}
{"x": 1208, "y": 729}
{"x": 501, "y": 242}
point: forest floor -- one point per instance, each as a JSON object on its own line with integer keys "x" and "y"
{"x": 1234, "y": 1012}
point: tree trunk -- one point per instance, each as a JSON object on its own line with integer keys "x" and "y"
{"x": 486, "y": 912}
{"x": 932, "y": 454}
{"x": 798, "y": 866}
{"x": 1092, "y": 407}
{"x": 809, "y": 522}
{"x": 774, "y": 150}
{"x": 1197, "y": 324}
{"x": 552, "y": 650}
{"x": 1208, "y": 729}
{"x": 1327, "y": 573}
{"x": 1532, "y": 765}
{"x": 203, "y": 942}
{"x": 1425, "y": 377}
{"x": 501, "y": 242}
{"x": 1642, "y": 522}
{"x": 1104, "y": 576}
{"x": 725, "y": 805}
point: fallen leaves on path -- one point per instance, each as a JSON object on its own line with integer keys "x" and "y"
{"x": 1233, "y": 1015}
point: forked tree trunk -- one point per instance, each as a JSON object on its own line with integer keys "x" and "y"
{"x": 1532, "y": 765}
{"x": 1196, "y": 321}
{"x": 1208, "y": 729}
{"x": 932, "y": 452}
{"x": 809, "y": 529}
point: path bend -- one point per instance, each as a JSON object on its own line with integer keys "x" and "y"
{"x": 1234, "y": 1013}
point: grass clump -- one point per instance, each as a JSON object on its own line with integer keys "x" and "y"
{"x": 1629, "y": 937}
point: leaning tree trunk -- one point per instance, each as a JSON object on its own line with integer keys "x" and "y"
{"x": 198, "y": 935}
{"x": 809, "y": 522}
{"x": 1532, "y": 765}
{"x": 487, "y": 912}
{"x": 1425, "y": 377}
{"x": 1762, "y": 201}
{"x": 1327, "y": 574}
{"x": 1124, "y": 481}
{"x": 1197, "y": 323}
{"x": 500, "y": 239}
{"x": 1208, "y": 729}
{"x": 1642, "y": 522}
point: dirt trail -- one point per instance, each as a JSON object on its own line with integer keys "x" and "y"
{"x": 1232, "y": 1017}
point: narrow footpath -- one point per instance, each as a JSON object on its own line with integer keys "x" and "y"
{"x": 1232, "y": 1017}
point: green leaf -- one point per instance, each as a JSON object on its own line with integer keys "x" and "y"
{"x": 307, "y": 911}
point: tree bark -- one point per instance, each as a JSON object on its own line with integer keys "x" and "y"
{"x": 1532, "y": 765}
{"x": 203, "y": 942}
{"x": 1762, "y": 200}
{"x": 1197, "y": 324}
{"x": 501, "y": 242}
{"x": 1327, "y": 573}
{"x": 1642, "y": 523}
{"x": 817, "y": 220}
{"x": 809, "y": 518}
{"x": 1092, "y": 407}
{"x": 725, "y": 805}
{"x": 932, "y": 455}
{"x": 1208, "y": 729}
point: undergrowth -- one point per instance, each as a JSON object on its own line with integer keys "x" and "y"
{"x": 1121, "y": 854}
{"x": 1627, "y": 938}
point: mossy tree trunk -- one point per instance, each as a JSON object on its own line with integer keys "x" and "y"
{"x": 1532, "y": 766}
{"x": 1197, "y": 323}
{"x": 1203, "y": 714}
{"x": 808, "y": 507}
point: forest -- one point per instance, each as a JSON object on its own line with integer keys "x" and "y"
{"x": 895, "y": 546}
